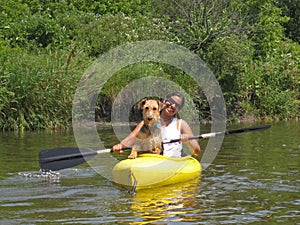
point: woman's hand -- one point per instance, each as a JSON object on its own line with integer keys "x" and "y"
{"x": 196, "y": 152}
{"x": 193, "y": 144}
{"x": 118, "y": 148}
{"x": 184, "y": 138}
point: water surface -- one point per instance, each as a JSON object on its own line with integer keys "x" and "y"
{"x": 254, "y": 180}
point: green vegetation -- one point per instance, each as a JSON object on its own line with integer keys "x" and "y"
{"x": 252, "y": 46}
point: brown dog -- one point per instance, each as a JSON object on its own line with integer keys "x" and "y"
{"x": 149, "y": 139}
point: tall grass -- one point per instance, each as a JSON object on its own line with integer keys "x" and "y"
{"x": 36, "y": 89}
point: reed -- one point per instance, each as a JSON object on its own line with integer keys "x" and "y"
{"x": 37, "y": 88}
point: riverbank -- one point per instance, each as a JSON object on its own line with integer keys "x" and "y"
{"x": 44, "y": 53}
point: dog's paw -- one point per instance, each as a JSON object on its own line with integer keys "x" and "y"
{"x": 157, "y": 152}
{"x": 132, "y": 155}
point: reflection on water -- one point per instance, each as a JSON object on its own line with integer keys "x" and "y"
{"x": 170, "y": 203}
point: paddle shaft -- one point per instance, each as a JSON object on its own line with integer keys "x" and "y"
{"x": 82, "y": 152}
{"x": 214, "y": 134}
{"x": 61, "y": 158}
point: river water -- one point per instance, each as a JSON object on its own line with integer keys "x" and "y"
{"x": 253, "y": 180}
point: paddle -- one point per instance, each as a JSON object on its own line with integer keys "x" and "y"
{"x": 61, "y": 158}
{"x": 238, "y": 131}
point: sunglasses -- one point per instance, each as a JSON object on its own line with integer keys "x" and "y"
{"x": 172, "y": 102}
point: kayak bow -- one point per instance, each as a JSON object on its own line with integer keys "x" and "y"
{"x": 150, "y": 170}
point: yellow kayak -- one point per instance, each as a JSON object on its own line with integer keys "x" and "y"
{"x": 150, "y": 170}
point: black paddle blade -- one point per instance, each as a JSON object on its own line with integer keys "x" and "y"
{"x": 249, "y": 129}
{"x": 61, "y": 158}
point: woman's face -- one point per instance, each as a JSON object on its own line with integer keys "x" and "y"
{"x": 173, "y": 105}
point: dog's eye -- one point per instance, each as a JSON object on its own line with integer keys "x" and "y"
{"x": 154, "y": 109}
{"x": 146, "y": 108}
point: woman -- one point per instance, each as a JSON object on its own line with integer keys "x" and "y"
{"x": 171, "y": 128}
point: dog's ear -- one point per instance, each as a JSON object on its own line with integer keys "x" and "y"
{"x": 161, "y": 105}
{"x": 142, "y": 103}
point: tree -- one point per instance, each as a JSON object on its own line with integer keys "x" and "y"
{"x": 291, "y": 9}
{"x": 237, "y": 39}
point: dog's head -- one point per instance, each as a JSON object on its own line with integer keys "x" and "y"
{"x": 151, "y": 111}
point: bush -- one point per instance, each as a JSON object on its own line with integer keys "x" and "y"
{"x": 109, "y": 31}
{"x": 272, "y": 86}
{"x": 228, "y": 58}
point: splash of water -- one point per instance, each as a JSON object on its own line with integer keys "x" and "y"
{"x": 47, "y": 175}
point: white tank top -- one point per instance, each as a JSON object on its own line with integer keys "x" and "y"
{"x": 172, "y": 132}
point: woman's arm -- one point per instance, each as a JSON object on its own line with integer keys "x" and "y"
{"x": 187, "y": 132}
{"x": 129, "y": 140}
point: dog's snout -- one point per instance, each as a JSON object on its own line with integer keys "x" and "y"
{"x": 150, "y": 118}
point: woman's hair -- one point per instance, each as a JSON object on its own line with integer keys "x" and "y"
{"x": 179, "y": 95}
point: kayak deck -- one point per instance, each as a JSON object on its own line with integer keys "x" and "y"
{"x": 151, "y": 170}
